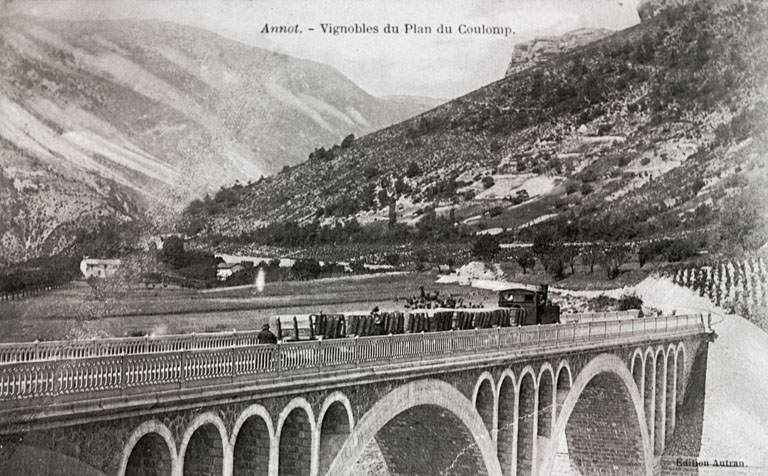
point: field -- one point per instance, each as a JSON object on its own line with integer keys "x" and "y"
{"x": 73, "y": 313}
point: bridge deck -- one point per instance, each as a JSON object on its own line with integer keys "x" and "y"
{"x": 62, "y": 349}
{"x": 67, "y": 384}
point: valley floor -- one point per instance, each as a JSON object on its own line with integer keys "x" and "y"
{"x": 73, "y": 313}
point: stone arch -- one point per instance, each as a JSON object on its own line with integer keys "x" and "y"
{"x": 505, "y": 435}
{"x": 545, "y": 401}
{"x": 204, "y": 436}
{"x": 485, "y": 376}
{"x": 484, "y": 399}
{"x": 669, "y": 400}
{"x": 613, "y": 371}
{"x": 649, "y": 381}
{"x": 157, "y": 432}
{"x": 680, "y": 363}
{"x": 638, "y": 353}
{"x": 563, "y": 382}
{"x": 295, "y": 451}
{"x": 332, "y": 433}
{"x": 251, "y": 441}
{"x": 659, "y": 410}
{"x": 638, "y": 370}
{"x": 425, "y": 392}
{"x": 527, "y": 400}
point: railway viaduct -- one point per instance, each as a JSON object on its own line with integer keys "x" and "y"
{"x": 601, "y": 398}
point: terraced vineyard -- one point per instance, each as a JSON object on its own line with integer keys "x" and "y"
{"x": 739, "y": 286}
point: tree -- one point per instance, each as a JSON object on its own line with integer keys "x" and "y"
{"x": 569, "y": 254}
{"x": 401, "y": 187}
{"x": 488, "y": 181}
{"x": 555, "y": 258}
{"x": 486, "y": 247}
{"x": 306, "y": 269}
{"x": 526, "y": 260}
{"x": 543, "y": 242}
{"x": 173, "y": 252}
{"x": 589, "y": 256}
{"x": 612, "y": 258}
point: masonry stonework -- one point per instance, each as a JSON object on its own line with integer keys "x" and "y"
{"x": 491, "y": 419}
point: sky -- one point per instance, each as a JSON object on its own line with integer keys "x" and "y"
{"x": 433, "y": 65}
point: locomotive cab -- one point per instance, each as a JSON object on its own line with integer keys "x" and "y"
{"x": 533, "y": 301}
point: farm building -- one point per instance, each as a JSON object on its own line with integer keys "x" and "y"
{"x": 99, "y": 268}
{"x": 225, "y": 270}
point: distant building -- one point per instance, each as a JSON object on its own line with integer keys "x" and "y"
{"x": 156, "y": 242}
{"x": 670, "y": 202}
{"x": 225, "y": 270}
{"x": 99, "y": 268}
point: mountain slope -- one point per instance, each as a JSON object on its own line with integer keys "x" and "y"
{"x": 660, "y": 126}
{"x": 146, "y": 115}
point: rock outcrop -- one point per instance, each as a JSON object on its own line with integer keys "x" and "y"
{"x": 650, "y": 8}
{"x": 531, "y": 53}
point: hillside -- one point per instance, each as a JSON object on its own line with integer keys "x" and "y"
{"x": 136, "y": 118}
{"x": 659, "y": 128}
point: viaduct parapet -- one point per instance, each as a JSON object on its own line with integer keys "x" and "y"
{"x": 600, "y": 398}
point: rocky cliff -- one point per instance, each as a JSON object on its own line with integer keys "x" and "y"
{"x": 538, "y": 50}
{"x": 650, "y": 8}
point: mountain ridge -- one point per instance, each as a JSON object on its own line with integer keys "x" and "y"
{"x": 155, "y": 123}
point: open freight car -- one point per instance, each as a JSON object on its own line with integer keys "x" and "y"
{"x": 362, "y": 324}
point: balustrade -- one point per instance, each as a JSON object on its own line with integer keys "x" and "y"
{"x": 186, "y": 360}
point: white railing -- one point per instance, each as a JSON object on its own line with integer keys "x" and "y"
{"x": 62, "y": 349}
{"x": 145, "y": 372}
{"x": 600, "y": 316}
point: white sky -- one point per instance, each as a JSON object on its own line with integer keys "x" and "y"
{"x": 441, "y": 66}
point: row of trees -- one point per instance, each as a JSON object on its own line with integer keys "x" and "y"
{"x": 434, "y": 227}
{"x": 557, "y": 258}
{"x": 37, "y": 275}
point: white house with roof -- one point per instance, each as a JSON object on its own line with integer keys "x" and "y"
{"x": 225, "y": 270}
{"x": 99, "y": 268}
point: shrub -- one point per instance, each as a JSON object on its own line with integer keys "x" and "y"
{"x": 392, "y": 259}
{"x": 630, "y": 301}
{"x": 589, "y": 176}
{"x": 348, "y": 141}
{"x": 413, "y": 170}
{"x": 488, "y": 182}
{"x": 602, "y": 303}
{"x": 370, "y": 171}
{"x": 645, "y": 161}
